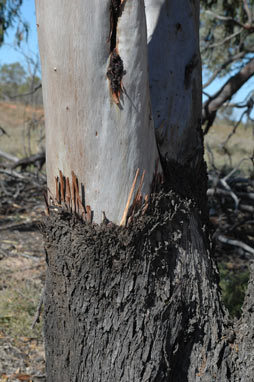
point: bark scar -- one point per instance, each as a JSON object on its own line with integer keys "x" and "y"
{"x": 115, "y": 74}
{"x": 189, "y": 69}
{"x": 116, "y": 70}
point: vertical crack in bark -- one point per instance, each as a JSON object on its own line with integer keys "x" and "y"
{"x": 115, "y": 12}
{"x": 116, "y": 70}
{"x": 188, "y": 71}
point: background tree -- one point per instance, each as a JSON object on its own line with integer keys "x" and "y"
{"x": 16, "y": 84}
{"x": 227, "y": 37}
{"x": 12, "y": 78}
{"x": 134, "y": 298}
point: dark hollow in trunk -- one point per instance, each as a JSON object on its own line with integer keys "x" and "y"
{"x": 139, "y": 303}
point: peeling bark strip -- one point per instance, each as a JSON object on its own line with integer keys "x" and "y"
{"x": 68, "y": 198}
{"x": 116, "y": 70}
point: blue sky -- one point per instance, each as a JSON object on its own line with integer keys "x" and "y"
{"x": 9, "y": 53}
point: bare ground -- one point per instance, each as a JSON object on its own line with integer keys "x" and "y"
{"x": 22, "y": 271}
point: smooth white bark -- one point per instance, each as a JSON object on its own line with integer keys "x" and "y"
{"x": 175, "y": 84}
{"x": 86, "y": 132}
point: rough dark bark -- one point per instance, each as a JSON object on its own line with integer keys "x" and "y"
{"x": 244, "y": 330}
{"x": 139, "y": 303}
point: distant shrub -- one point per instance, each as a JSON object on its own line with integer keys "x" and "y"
{"x": 233, "y": 283}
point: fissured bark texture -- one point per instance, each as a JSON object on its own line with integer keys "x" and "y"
{"x": 137, "y": 303}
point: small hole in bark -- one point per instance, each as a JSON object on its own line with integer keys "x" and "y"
{"x": 178, "y": 27}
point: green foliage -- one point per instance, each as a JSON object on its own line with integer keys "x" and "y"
{"x": 233, "y": 284}
{"x": 9, "y": 15}
{"x": 12, "y": 76}
{"x": 225, "y": 34}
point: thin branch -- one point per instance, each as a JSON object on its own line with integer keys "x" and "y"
{"x": 223, "y": 66}
{"x": 236, "y": 105}
{"x": 225, "y": 93}
{"x": 249, "y": 106}
{"x": 206, "y": 94}
{"x": 245, "y": 102}
{"x": 247, "y": 11}
{"x": 222, "y": 42}
{"x": 217, "y": 191}
{"x": 3, "y": 132}
{"x": 231, "y": 20}
{"x": 23, "y": 226}
{"x": 223, "y": 18}
{"x": 234, "y": 129}
{"x": 26, "y": 94}
{"x": 232, "y": 172}
{"x": 231, "y": 193}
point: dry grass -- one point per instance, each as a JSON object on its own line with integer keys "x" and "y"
{"x": 240, "y": 146}
{"x": 22, "y": 265}
{"x": 24, "y": 125}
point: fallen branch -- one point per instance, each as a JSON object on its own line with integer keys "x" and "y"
{"x": 8, "y": 156}
{"x": 223, "y": 239}
{"x": 12, "y": 173}
{"x": 25, "y": 226}
{"x": 231, "y": 193}
{"x": 232, "y": 226}
{"x": 37, "y": 160}
{"x": 245, "y": 207}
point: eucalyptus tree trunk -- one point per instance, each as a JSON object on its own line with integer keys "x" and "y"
{"x": 96, "y": 99}
{"x": 132, "y": 288}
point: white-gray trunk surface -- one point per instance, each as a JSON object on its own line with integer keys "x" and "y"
{"x": 104, "y": 143}
{"x": 175, "y": 77}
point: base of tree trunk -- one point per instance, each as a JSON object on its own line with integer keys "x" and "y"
{"x": 140, "y": 303}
